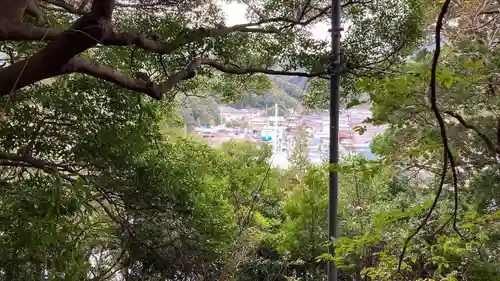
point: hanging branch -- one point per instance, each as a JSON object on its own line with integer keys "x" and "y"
{"x": 447, "y": 155}
{"x": 491, "y": 145}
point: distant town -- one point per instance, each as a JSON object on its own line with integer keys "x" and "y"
{"x": 281, "y": 131}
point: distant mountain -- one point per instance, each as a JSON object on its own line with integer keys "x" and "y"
{"x": 292, "y": 85}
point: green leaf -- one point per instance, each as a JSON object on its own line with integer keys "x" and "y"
{"x": 325, "y": 257}
{"x": 359, "y": 129}
{"x": 353, "y": 103}
{"x": 448, "y": 82}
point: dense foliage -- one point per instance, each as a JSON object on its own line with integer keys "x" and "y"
{"x": 202, "y": 109}
{"x": 100, "y": 183}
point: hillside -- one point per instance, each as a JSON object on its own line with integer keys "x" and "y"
{"x": 286, "y": 93}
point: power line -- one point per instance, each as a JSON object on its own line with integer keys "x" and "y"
{"x": 266, "y": 174}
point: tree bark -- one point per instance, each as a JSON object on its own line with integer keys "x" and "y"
{"x": 12, "y": 10}
{"x": 60, "y": 56}
{"x": 85, "y": 33}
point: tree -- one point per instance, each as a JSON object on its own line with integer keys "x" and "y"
{"x": 465, "y": 93}
{"x": 385, "y": 201}
{"x": 83, "y": 201}
{"x": 94, "y": 185}
{"x": 172, "y": 51}
{"x": 299, "y": 158}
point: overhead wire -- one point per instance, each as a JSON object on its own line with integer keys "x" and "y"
{"x": 247, "y": 220}
{"x": 256, "y": 191}
{"x": 260, "y": 186}
{"x": 268, "y": 170}
{"x": 271, "y": 162}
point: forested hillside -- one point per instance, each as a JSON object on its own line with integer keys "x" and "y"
{"x": 285, "y": 91}
{"x": 99, "y": 182}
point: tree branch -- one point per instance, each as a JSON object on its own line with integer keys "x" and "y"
{"x": 12, "y": 10}
{"x": 197, "y": 35}
{"x": 50, "y": 62}
{"x": 156, "y": 91}
{"x": 20, "y": 32}
{"x": 59, "y": 56}
{"x": 7, "y": 159}
{"x": 491, "y": 146}
{"x": 33, "y": 9}
{"x": 498, "y": 133}
{"x": 447, "y": 155}
{"x": 238, "y": 70}
{"x": 66, "y": 6}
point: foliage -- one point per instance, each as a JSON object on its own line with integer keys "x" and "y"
{"x": 202, "y": 109}
{"x": 413, "y": 142}
{"x": 142, "y": 203}
{"x": 299, "y": 158}
{"x": 96, "y": 181}
{"x": 383, "y": 202}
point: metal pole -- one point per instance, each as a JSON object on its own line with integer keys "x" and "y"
{"x": 333, "y": 180}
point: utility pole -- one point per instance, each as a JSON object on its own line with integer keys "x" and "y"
{"x": 333, "y": 178}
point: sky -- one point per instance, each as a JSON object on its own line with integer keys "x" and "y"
{"x": 235, "y": 14}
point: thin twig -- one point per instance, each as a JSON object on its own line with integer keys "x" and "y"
{"x": 19, "y": 77}
{"x": 491, "y": 146}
